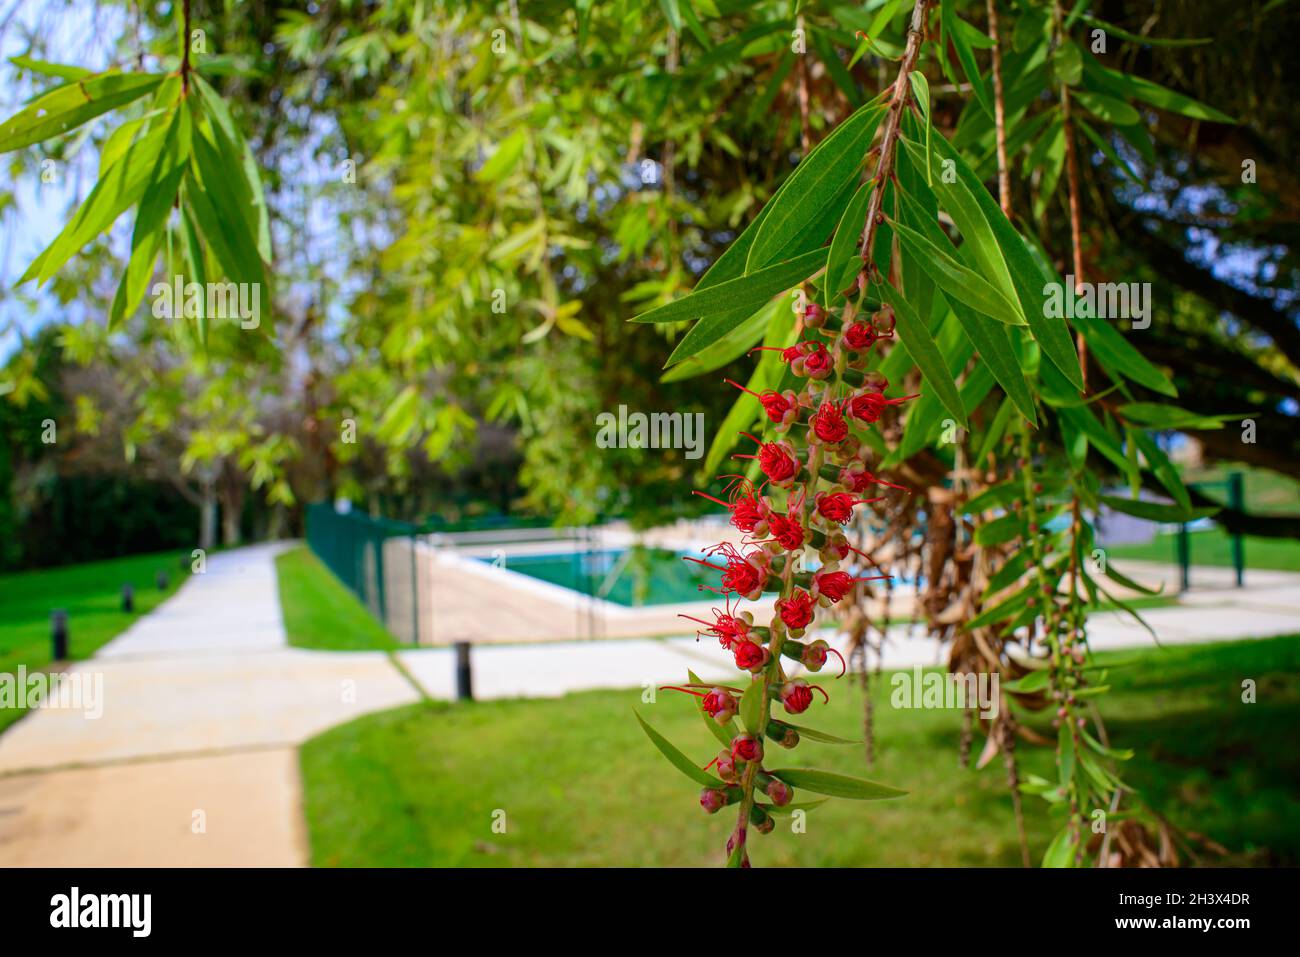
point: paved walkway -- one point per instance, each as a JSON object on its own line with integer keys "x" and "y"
{"x": 194, "y": 761}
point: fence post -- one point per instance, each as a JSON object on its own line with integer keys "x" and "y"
{"x": 464, "y": 679}
{"x": 1236, "y": 500}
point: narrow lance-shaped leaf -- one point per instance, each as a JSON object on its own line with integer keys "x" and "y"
{"x": 920, "y": 345}
{"x": 677, "y": 759}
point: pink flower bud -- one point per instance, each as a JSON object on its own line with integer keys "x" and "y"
{"x": 712, "y": 800}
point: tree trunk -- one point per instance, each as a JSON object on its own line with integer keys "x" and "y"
{"x": 232, "y": 510}
{"x": 207, "y": 515}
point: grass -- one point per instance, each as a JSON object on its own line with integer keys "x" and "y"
{"x": 91, "y": 594}
{"x": 580, "y": 785}
{"x": 1214, "y": 547}
{"x": 320, "y": 613}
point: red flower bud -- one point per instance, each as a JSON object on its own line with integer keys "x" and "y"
{"x": 751, "y": 656}
{"x": 814, "y": 655}
{"x": 720, "y": 705}
{"x": 814, "y": 361}
{"x": 726, "y": 767}
{"x": 796, "y": 696}
{"x": 713, "y": 800}
{"x": 814, "y": 316}
{"x": 779, "y": 792}
{"x": 858, "y": 336}
{"x": 746, "y": 747}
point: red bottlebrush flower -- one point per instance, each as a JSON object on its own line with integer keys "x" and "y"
{"x": 744, "y": 575}
{"x": 869, "y": 406}
{"x": 778, "y": 462}
{"x": 858, "y": 479}
{"x": 797, "y": 610}
{"x": 713, "y": 800}
{"x": 786, "y": 531}
{"x": 836, "y": 506}
{"x": 751, "y": 656}
{"x": 796, "y": 696}
{"x": 720, "y": 705}
{"x": 829, "y": 425}
{"x": 858, "y": 336}
{"x": 746, "y": 747}
{"x": 747, "y": 509}
{"x": 832, "y": 584}
{"x": 781, "y": 407}
{"x": 779, "y": 792}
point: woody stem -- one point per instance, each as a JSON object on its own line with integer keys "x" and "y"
{"x": 889, "y": 140}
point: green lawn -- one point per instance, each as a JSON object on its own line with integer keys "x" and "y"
{"x": 91, "y": 594}
{"x": 319, "y": 612}
{"x": 1214, "y": 547}
{"x": 581, "y": 785}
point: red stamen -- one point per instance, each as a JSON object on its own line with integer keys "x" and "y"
{"x": 743, "y": 389}
{"x": 843, "y": 664}
{"x": 698, "y": 694}
{"x": 823, "y": 691}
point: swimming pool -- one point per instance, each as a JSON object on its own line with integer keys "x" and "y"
{"x": 633, "y": 577}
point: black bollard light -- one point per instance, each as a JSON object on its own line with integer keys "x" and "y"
{"x": 59, "y": 633}
{"x": 464, "y": 680}
{"x": 128, "y": 599}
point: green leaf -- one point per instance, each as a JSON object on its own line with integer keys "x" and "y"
{"x": 921, "y": 92}
{"x": 116, "y": 190}
{"x": 836, "y": 785}
{"x": 1060, "y": 853}
{"x": 1107, "y": 108}
{"x": 1135, "y": 87}
{"x": 503, "y": 162}
{"x": 219, "y": 110}
{"x": 45, "y": 68}
{"x": 1164, "y": 469}
{"x": 960, "y": 283}
{"x": 998, "y": 531}
{"x": 67, "y": 107}
{"x": 744, "y": 292}
{"x": 843, "y": 261}
{"x": 727, "y": 349}
{"x": 1157, "y": 511}
{"x": 920, "y": 345}
{"x": 961, "y": 38}
{"x": 828, "y": 171}
{"x": 677, "y": 759}
{"x": 753, "y": 706}
{"x": 217, "y": 209}
{"x": 1156, "y": 415}
{"x": 150, "y": 225}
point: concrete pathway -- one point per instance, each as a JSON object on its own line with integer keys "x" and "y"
{"x": 194, "y": 760}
